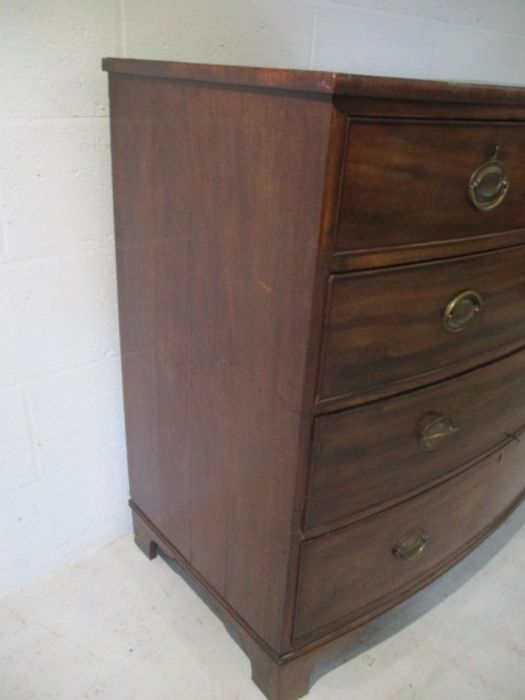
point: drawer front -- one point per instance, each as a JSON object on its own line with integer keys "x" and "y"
{"x": 407, "y": 182}
{"x": 380, "y": 560}
{"x": 367, "y": 456}
{"x": 390, "y": 325}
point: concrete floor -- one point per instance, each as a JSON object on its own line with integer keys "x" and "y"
{"x": 119, "y": 627}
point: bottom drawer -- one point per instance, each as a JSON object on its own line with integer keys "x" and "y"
{"x": 382, "y": 559}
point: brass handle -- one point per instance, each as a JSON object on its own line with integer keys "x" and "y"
{"x": 488, "y": 184}
{"x": 461, "y": 310}
{"x": 433, "y": 434}
{"x": 411, "y": 545}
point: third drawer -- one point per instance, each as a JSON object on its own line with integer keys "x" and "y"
{"x": 372, "y": 455}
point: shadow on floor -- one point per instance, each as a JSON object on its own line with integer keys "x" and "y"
{"x": 403, "y": 615}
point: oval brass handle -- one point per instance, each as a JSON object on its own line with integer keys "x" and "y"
{"x": 489, "y": 183}
{"x": 461, "y": 310}
{"x": 411, "y": 545}
{"x": 434, "y": 432}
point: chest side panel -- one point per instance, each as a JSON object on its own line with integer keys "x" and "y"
{"x": 218, "y": 195}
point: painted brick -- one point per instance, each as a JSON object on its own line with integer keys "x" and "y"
{"x": 56, "y": 186}
{"x": 355, "y": 41}
{"x": 57, "y": 313}
{"x": 54, "y": 521}
{"x": 77, "y": 417}
{"x": 3, "y": 247}
{"x": 50, "y": 56}
{"x": 459, "y": 11}
{"x": 250, "y": 32}
{"x": 503, "y": 15}
{"x": 17, "y": 466}
{"x": 472, "y": 53}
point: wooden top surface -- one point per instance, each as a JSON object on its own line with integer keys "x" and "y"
{"x": 321, "y": 82}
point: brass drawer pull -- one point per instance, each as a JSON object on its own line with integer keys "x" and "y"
{"x": 411, "y": 545}
{"x": 488, "y": 184}
{"x": 433, "y": 434}
{"x": 461, "y": 311}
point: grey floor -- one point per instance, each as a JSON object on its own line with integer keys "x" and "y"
{"x": 117, "y": 626}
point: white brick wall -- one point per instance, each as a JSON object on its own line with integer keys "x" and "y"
{"x": 63, "y": 487}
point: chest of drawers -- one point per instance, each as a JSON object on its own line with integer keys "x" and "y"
{"x": 321, "y": 288}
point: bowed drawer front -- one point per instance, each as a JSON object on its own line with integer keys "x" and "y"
{"x": 409, "y": 182}
{"x": 370, "y": 455}
{"x": 390, "y": 325}
{"x": 321, "y": 286}
{"x": 346, "y": 574}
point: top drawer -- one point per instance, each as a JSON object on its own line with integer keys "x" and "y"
{"x": 407, "y": 182}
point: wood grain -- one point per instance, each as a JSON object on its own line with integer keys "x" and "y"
{"x": 350, "y": 572}
{"x": 424, "y": 107}
{"x": 386, "y": 326}
{"x": 406, "y": 182}
{"x": 369, "y": 456}
{"x": 218, "y": 215}
{"x": 430, "y": 250}
{"x": 363, "y": 86}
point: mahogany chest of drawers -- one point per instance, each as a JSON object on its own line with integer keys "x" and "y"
{"x": 322, "y": 312}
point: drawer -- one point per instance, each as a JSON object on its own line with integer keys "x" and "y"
{"x": 406, "y": 182}
{"x": 389, "y": 325}
{"x": 377, "y": 562}
{"x": 373, "y": 454}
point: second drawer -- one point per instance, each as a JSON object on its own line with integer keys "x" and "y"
{"x": 371, "y": 455}
{"x": 387, "y": 326}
